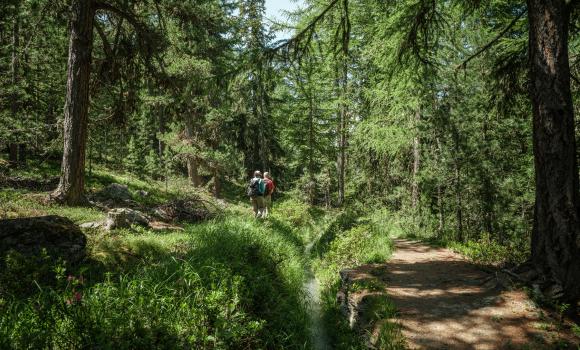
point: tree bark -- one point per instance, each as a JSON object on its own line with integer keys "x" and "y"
{"x": 312, "y": 180}
{"x": 458, "y": 204}
{"x": 192, "y": 163}
{"x": 217, "y": 185}
{"x": 556, "y": 233}
{"x": 13, "y": 154}
{"x": 22, "y": 154}
{"x": 441, "y": 213}
{"x": 14, "y": 64}
{"x": 342, "y": 134}
{"x": 416, "y": 161}
{"x": 71, "y": 186}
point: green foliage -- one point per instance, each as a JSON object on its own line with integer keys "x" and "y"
{"x": 22, "y": 275}
{"x": 352, "y": 247}
{"x": 487, "y": 252}
{"x": 225, "y": 284}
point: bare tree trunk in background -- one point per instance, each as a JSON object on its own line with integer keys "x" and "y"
{"x": 312, "y": 180}
{"x": 192, "y": 163}
{"x": 217, "y": 185}
{"x": 14, "y": 105}
{"x": 161, "y": 149}
{"x": 13, "y": 154}
{"x": 441, "y": 214}
{"x": 327, "y": 191}
{"x": 416, "y": 161}
{"x": 342, "y": 133}
{"x": 488, "y": 191}
{"x": 556, "y": 233}
{"x": 72, "y": 179}
{"x": 22, "y": 154}
{"x": 458, "y": 204}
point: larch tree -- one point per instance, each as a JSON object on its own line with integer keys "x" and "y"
{"x": 556, "y": 233}
{"x": 72, "y": 179}
{"x": 75, "y": 125}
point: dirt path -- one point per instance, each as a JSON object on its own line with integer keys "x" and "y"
{"x": 444, "y": 302}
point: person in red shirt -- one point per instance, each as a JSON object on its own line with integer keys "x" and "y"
{"x": 270, "y": 186}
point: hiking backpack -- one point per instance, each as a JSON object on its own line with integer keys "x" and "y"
{"x": 254, "y": 187}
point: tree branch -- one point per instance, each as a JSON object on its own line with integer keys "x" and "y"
{"x": 140, "y": 27}
{"x": 106, "y": 45}
{"x": 307, "y": 32}
{"x": 492, "y": 42}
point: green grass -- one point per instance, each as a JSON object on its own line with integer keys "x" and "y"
{"x": 229, "y": 283}
{"x": 232, "y": 283}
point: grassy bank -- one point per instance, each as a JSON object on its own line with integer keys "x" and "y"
{"x": 229, "y": 283}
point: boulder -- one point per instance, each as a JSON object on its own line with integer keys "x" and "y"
{"x": 124, "y": 218}
{"x": 91, "y": 225}
{"x": 30, "y": 236}
{"x": 115, "y": 192}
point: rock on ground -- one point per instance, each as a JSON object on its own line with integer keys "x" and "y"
{"x": 29, "y": 236}
{"x": 115, "y": 192}
{"x": 124, "y": 218}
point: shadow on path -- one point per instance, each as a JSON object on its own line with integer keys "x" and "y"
{"x": 445, "y": 302}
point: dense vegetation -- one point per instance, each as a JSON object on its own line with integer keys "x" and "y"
{"x": 448, "y": 120}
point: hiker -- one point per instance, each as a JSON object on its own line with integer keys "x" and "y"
{"x": 256, "y": 190}
{"x": 270, "y": 186}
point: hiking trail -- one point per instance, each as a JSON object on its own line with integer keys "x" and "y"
{"x": 446, "y": 302}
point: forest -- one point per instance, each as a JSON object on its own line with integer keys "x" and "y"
{"x": 424, "y": 153}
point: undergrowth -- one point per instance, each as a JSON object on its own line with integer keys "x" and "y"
{"x": 229, "y": 283}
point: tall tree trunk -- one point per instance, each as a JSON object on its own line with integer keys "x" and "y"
{"x": 458, "y": 204}
{"x": 72, "y": 179}
{"x": 192, "y": 163}
{"x": 416, "y": 161}
{"x": 441, "y": 214}
{"x": 161, "y": 145}
{"x": 312, "y": 180}
{"x": 342, "y": 133}
{"x": 488, "y": 190}
{"x": 22, "y": 154}
{"x": 217, "y": 185}
{"x": 12, "y": 154}
{"x": 14, "y": 106}
{"x": 556, "y": 233}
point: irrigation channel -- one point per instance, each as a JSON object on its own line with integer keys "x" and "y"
{"x": 312, "y": 289}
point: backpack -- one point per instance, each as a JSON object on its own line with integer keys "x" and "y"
{"x": 254, "y": 187}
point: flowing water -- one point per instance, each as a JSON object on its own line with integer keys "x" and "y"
{"x": 312, "y": 289}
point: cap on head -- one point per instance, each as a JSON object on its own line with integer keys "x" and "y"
{"x": 267, "y": 175}
{"x": 257, "y": 173}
